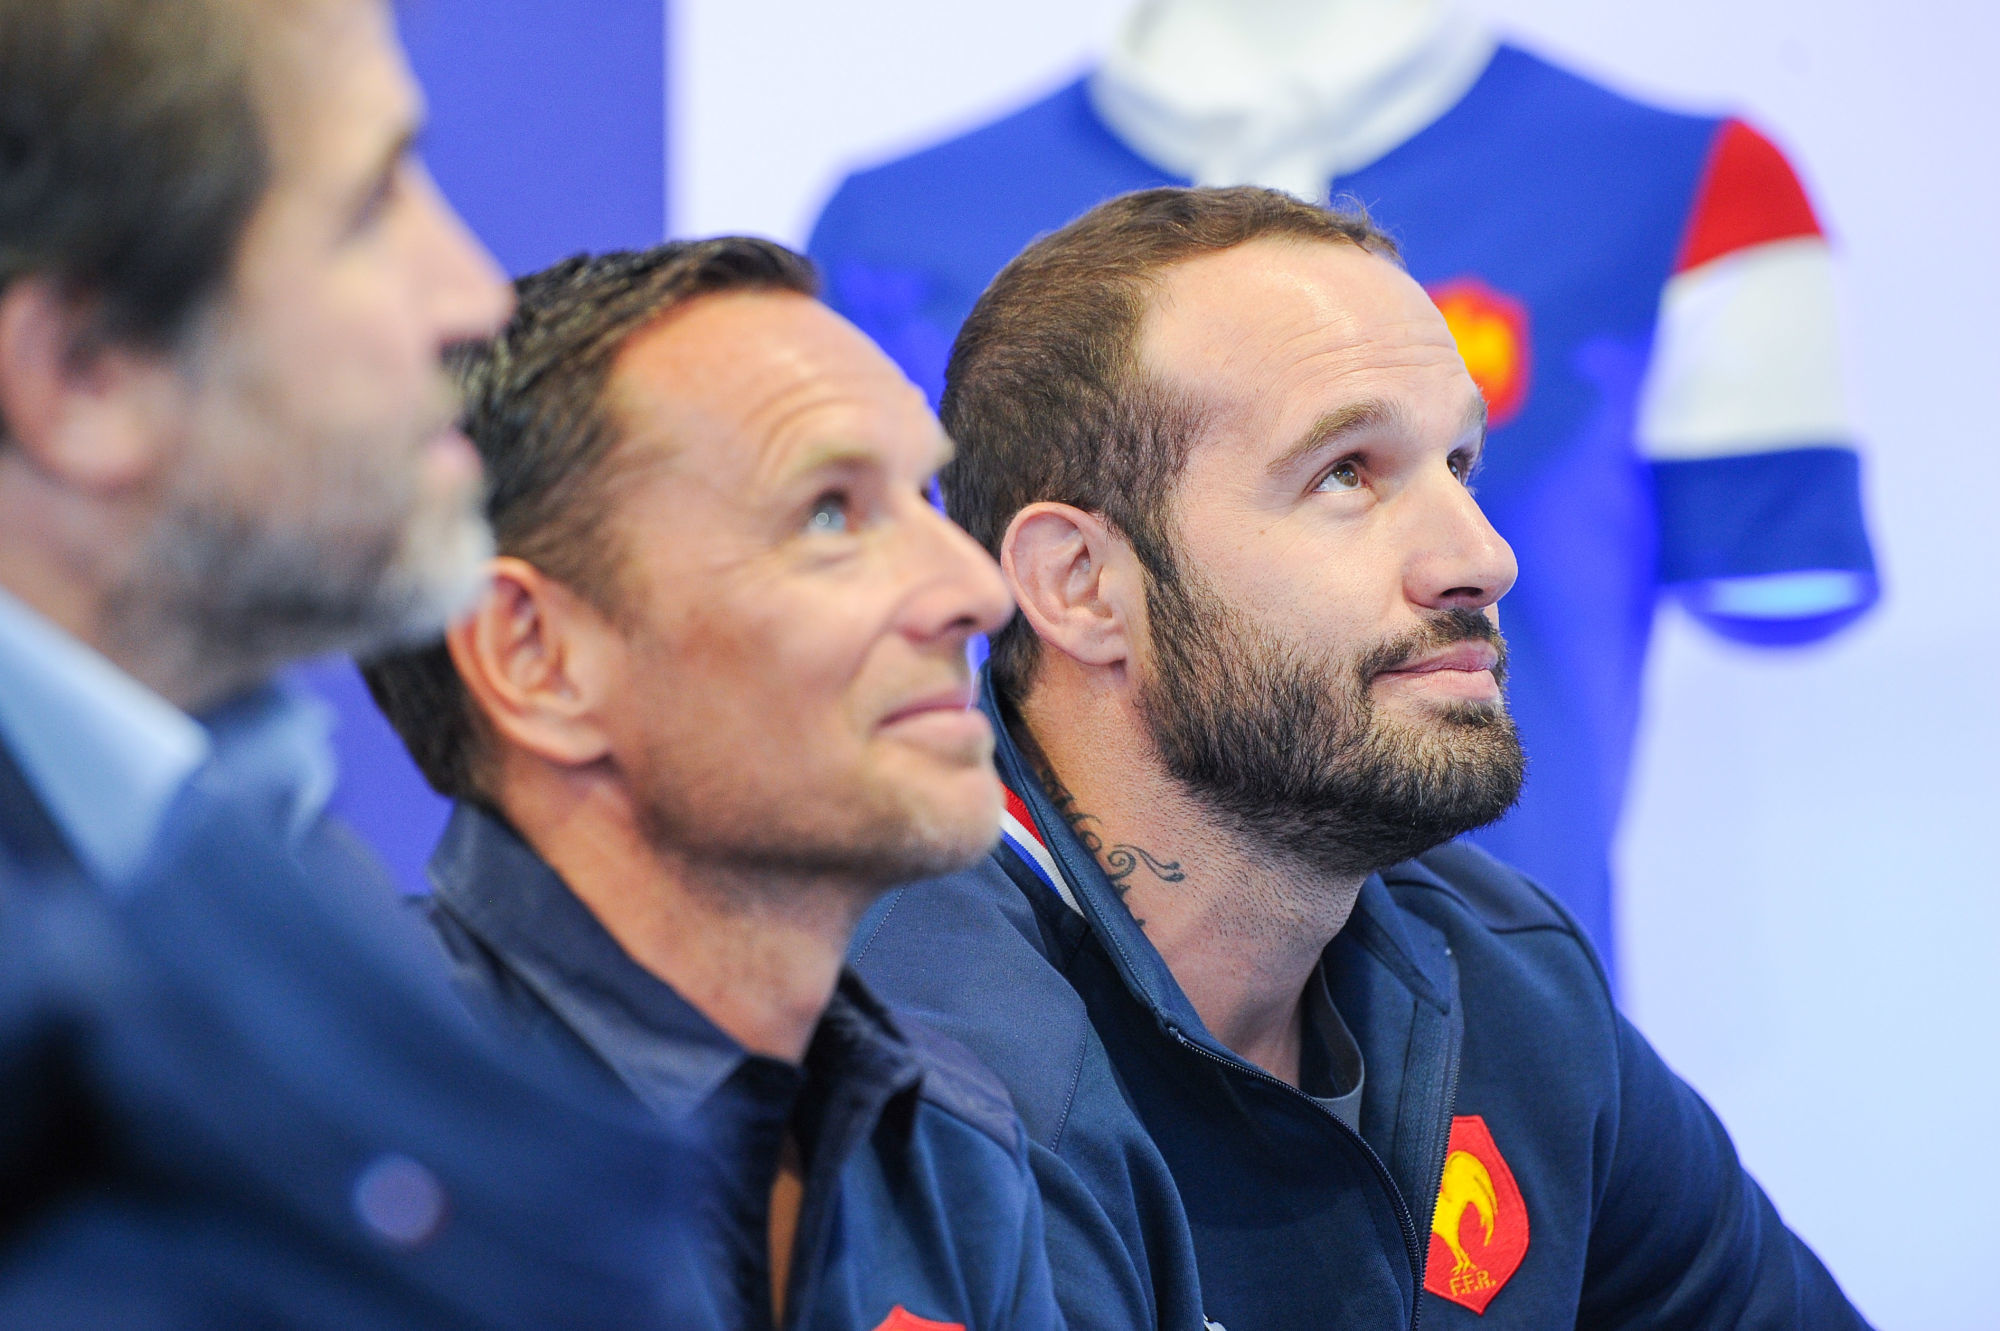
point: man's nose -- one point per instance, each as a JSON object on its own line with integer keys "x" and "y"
{"x": 1458, "y": 560}
{"x": 471, "y": 297}
{"x": 962, "y": 592}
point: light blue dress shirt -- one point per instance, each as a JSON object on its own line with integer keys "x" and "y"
{"x": 108, "y": 756}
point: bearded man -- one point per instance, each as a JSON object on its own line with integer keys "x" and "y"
{"x": 1288, "y": 1054}
{"x": 234, "y": 1087}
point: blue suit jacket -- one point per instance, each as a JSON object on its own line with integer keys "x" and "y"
{"x": 243, "y": 1094}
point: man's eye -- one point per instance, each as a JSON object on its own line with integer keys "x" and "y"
{"x": 375, "y": 206}
{"x": 828, "y": 515}
{"x": 1462, "y": 467}
{"x": 1344, "y": 476}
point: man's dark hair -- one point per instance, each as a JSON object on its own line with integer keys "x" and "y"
{"x": 1044, "y": 394}
{"x": 536, "y": 408}
{"x": 131, "y": 154}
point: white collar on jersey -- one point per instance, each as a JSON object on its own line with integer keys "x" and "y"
{"x": 1290, "y": 94}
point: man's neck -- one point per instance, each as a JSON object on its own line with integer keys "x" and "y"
{"x": 1240, "y": 928}
{"x": 758, "y": 954}
{"x": 74, "y": 563}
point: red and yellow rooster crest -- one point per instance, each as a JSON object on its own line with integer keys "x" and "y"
{"x": 1491, "y": 329}
{"x": 1479, "y": 1232}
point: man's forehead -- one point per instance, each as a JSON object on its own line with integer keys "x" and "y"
{"x": 764, "y": 384}
{"x": 1259, "y": 304}
{"x": 331, "y": 80}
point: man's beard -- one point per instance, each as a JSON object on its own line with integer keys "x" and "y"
{"x": 1287, "y": 744}
{"x": 356, "y": 562}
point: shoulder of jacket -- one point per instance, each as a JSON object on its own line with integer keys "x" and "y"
{"x": 955, "y": 1081}
{"x": 972, "y": 956}
{"x": 1501, "y": 897}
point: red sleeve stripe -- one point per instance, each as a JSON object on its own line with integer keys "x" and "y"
{"x": 1748, "y": 195}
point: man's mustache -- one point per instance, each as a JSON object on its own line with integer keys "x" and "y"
{"x": 1440, "y": 630}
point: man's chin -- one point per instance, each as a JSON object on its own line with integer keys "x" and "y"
{"x": 438, "y": 577}
{"x": 953, "y": 821}
{"x": 1456, "y": 711}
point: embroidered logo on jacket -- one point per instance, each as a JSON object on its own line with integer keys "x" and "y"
{"x": 902, "y": 1319}
{"x": 1480, "y": 1231}
{"x": 1491, "y": 329}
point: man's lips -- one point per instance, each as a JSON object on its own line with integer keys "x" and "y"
{"x": 957, "y": 698}
{"x": 1466, "y": 656}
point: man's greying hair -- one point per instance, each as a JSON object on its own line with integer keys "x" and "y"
{"x": 537, "y": 410}
{"x": 1044, "y": 393}
{"x": 131, "y": 155}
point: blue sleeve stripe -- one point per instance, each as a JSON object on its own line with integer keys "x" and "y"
{"x": 1758, "y": 513}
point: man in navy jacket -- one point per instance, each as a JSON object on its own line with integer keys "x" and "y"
{"x": 235, "y": 1087}
{"x": 715, "y": 701}
{"x": 1288, "y": 1054}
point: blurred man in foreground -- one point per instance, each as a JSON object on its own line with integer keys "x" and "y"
{"x": 715, "y": 702}
{"x": 1290, "y": 1055}
{"x": 234, "y": 1089}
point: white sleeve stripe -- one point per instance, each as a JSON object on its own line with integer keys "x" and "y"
{"x": 1746, "y": 357}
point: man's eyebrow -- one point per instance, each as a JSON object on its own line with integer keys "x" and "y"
{"x": 1336, "y": 425}
{"x": 834, "y": 455}
{"x": 1475, "y": 423}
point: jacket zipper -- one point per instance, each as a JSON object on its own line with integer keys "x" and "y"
{"x": 1444, "y": 1146}
{"x": 1412, "y": 1251}
{"x": 1382, "y": 1175}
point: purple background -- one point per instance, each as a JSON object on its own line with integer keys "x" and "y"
{"x": 548, "y": 132}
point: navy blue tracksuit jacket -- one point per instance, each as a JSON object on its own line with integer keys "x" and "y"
{"x": 920, "y": 1211}
{"x": 1523, "y": 1159}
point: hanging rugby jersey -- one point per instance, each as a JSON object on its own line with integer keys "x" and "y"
{"x": 1644, "y": 296}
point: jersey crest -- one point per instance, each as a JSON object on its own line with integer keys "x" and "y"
{"x": 1491, "y": 329}
{"x": 1479, "y": 1233}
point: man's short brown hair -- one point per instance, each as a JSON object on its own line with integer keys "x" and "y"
{"x": 537, "y": 410}
{"x": 1044, "y": 393}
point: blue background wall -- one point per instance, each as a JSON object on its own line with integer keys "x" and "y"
{"x": 548, "y": 132}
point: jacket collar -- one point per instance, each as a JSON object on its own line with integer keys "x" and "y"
{"x": 671, "y": 1056}
{"x": 1035, "y": 831}
{"x": 108, "y": 761}
{"x": 105, "y": 755}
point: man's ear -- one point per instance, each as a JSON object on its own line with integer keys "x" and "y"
{"x": 538, "y": 661}
{"x": 1077, "y": 582}
{"x": 91, "y": 414}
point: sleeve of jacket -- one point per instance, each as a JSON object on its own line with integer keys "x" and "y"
{"x": 1098, "y": 1283}
{"x": 1035, "y": 1307}
{"x": 1682, "y": 1235}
